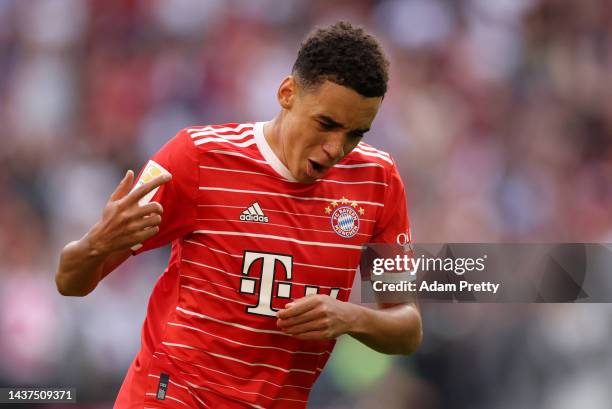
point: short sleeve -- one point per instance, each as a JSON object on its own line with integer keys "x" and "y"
{"x": 178, "y": 197}
{"x": 392, "y": 225}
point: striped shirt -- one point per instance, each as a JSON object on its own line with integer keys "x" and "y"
{"x": 246, "y": 240}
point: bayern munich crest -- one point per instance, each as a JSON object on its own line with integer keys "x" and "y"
{"x": 345, "y": 217}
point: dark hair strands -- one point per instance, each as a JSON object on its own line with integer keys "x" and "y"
{"x": 346, "y": 55}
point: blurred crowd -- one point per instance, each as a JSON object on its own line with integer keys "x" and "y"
{"x": 499, "y": 115}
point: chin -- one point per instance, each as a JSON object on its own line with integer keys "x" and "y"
{"x": 306, "y": 179}
{"x": 300, "y": 175}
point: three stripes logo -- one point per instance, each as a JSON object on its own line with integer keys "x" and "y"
{"x": 253, "y": 213}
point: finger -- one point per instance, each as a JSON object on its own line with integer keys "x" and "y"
{"x": 145, "y": 222}
{"x": 124, "y": 186}
{"x": 313, "y": 325}
{"x": 149, "y": 208}
{"x": 130, "y": 240}
{"x": 299, "y": 319}
{"x": 298, "y": 307}
{"x": 141, "y": 191}
{"x": 143, "y": 235}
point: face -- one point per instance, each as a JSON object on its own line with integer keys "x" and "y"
{"x": 320, "y": 126}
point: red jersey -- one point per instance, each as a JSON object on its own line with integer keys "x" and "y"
{"x": 246, "y": 240}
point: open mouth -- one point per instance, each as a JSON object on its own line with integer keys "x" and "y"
{"x": 315, "y": 169}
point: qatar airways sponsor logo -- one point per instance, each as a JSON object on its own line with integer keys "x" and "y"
{"x": 404, "y": 239}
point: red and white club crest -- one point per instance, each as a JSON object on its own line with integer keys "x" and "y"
{"x": 345, "y": 217}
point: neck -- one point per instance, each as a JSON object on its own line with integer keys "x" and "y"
{"x": 272, "y": 133}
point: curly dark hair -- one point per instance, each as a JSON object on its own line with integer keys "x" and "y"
{"x": 346, "y": 55}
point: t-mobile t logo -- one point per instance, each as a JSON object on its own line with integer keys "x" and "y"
{"x": 266, "y": 281}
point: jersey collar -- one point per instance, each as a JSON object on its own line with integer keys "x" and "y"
{"x": 269, "y": 155}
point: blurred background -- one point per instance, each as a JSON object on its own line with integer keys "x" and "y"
{"x": 499, "y": 115}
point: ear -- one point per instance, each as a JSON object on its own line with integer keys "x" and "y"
{"x": 287, "y": 92}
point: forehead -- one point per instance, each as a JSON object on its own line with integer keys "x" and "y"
{"x": 341, "y": 103}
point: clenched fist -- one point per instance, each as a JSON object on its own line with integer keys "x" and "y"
{"x": 316, "y": 317}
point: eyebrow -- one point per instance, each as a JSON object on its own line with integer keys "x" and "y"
{"x": 337, "y": 124}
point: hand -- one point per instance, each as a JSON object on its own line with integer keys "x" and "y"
{"x": 315, "y": 317}
{"x": 124, "y": 222}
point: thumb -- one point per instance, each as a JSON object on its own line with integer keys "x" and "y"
{"x": 124, "y": 186}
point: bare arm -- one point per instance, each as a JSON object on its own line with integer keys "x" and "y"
{"x": 80, "y": 269}
{"x": 392, "y": 329}
{"x": 83, "y": 263}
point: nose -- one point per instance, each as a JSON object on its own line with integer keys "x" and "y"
{"x": 334, "y": 148}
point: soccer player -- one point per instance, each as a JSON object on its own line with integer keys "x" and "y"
{"x": 266, "y": 222}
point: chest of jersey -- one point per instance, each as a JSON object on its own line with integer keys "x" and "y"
{"x": 272, "y": 240}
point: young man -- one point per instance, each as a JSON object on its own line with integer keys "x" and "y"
{"x": 266, "y": 222}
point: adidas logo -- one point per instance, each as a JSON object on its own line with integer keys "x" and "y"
{"x": 253, "y": 213}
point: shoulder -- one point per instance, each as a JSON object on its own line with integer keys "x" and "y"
{"x": 185, "y": 149}
{"x": 375, "y": 162}
{"x": 207, "y": 137}
{"x": 367, "y": 154}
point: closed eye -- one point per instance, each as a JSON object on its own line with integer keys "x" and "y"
{"x": 326, "y": 126}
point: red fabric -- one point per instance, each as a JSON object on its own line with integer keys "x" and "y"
{"x": 201, "y": 329}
